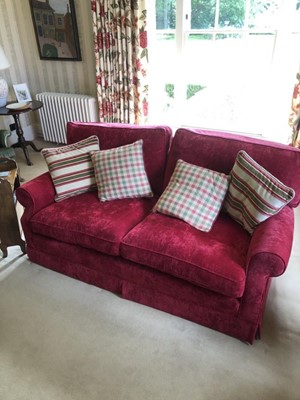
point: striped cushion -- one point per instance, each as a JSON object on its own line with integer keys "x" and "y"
{"x": 120, "y": 172}
{"x": 254, "y": 194}
{"x": 194, "y": 194}
{"x": 71, "y": 167}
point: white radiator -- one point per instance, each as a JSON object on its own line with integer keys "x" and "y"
{"x": 60, "y": 108}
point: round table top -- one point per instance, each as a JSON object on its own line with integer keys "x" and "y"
{"x": 34, "y": 105}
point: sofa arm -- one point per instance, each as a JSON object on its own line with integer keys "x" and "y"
{"x": 4, "y": 135}
{"x": 271, "y": 243}
{"x": 36, "y": 194}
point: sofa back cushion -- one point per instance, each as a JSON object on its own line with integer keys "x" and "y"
{"x": 218, "y": 151}
{"x": 156, "y": 143}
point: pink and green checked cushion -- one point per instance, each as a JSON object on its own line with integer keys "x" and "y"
{"x": 120, "y": 172}
{"x": 254, "y": 194}
{"x": 194, "y": 194}
{"x": 71, "y": 167}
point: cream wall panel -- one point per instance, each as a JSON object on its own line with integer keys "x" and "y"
{"x": 18, "y": 40}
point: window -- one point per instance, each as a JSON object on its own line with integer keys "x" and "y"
{"x": 225, "y": 64}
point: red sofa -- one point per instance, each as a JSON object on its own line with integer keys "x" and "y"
{"x": 219, "y": 279}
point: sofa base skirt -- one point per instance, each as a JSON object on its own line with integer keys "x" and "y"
{"x": 148, "y": 287}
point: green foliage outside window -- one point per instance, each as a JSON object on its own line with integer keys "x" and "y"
{"x": 190, "y": 91}
{"x": 231, "y": 13}
{"x": 165, "y": 14}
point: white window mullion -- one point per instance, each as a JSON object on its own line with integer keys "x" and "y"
{"x": 182, "y": 24}
{"x": 246, "y": 21}
{"x": 217, "y": 13}
{"x": 217, "y": 16}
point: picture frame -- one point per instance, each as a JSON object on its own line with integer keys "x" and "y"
{"x": 55, "y": 29}
{"x": 22, "y": 93}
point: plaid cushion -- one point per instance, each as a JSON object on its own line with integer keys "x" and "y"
{"x": 194, "y": 194}
{"x": 71, "y": 167}
{"x": 254, "y": 194}
{"x": 120, "y": 172}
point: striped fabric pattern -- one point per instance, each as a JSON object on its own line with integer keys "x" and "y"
{"x": 254, "y": 194}
{"x": 71, "y": 167}
{"x": 120, "y": 172}
{"x": 194, "y": 194}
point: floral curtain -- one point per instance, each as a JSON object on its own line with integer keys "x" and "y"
{"x": 294, "y": 118}
{"x": 120, "y": 39}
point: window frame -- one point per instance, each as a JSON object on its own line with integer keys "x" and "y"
{"x": 183, "y": 30}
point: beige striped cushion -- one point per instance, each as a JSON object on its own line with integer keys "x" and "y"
{"x": 254, "y": 194}
{"x": 71, "y": 167}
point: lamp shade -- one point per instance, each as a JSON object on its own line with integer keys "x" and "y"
{"x": 3, "y": 60}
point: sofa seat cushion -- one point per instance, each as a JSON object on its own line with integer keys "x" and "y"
{"x": 214, "y": 260}
{"x": 85, "y": 221}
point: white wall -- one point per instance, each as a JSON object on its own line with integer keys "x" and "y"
{"x": 18, "y": 40}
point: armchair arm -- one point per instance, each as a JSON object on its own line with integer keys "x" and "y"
{"x": 36, "y": 194}
{"x": 268, "y": 256}
{"x": 271, "y": 243}
{"x": 4, "y": 135}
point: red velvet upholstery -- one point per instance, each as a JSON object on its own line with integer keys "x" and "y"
{"x": 85, "y": 264}
{"x": 214, "y": 260}
{"x": 219, "y": 279}
{"x": 156, "y": 143}
{"x": 210, "y": 154}
{"x": 106, "y": 223}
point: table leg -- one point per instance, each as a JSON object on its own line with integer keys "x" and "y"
{"x": 30, "y": 143}
{"x": 21, "y": 140}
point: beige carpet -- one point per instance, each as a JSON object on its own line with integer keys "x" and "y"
{"x": 39, "y": 166}
{"x": 61, "y": 339}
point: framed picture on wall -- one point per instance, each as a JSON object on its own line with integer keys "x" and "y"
{"x": 55, "y": 27}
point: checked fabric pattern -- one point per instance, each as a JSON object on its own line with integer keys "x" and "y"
{"x": 71, "y": 167}
{"x": 254, "y": 194}
{"x": 120, "y": 172}
{"x": 194, "y": 194}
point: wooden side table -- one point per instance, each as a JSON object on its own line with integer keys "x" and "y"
{"x": 9, "y": 225}
{"x": 22, "y": 142}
